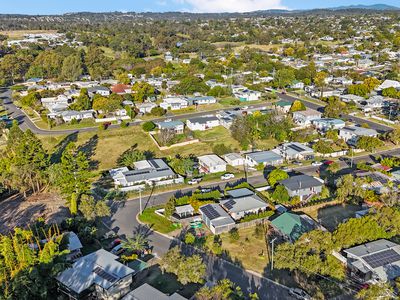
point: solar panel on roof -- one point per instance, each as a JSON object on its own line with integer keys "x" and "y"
{"x": 103, "y": 274}
{"x": 382, "y": 258}
{"x": 296, "y": 148}
{"x": 154, "y": 163}
{"x": 210, "y": 212}
{"x": 229, "y": 204}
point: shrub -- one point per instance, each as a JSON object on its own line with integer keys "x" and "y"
{"x": 148, "y": 126}
{"x": 234, "y": 234}
{"x": 158, "y": 111}
{"x": 190, "y": 238}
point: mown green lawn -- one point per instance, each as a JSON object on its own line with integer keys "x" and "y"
{"x": 157, "y": 223}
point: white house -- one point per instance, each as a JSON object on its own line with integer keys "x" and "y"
{"x": 174, "y": 103}
{"x": 99, "y": 90}
{"x": 351, "y": 134}
{"x": 201, "y": 100}
{"x": 294, "y": 150}
{"x": 202, "y": 123}
{"x": 234, "y": 159}
{"x": 145, "y": 107}
{"x": 326, "y": 124}
{"x": 298, "y": 85}
{"x": 70, "y": 115}
{"x": 146, "y": 172}
{"x": 248, "y": 95}
{"x": 388, "y": 84}
{"x": 211, "y": 164}
{"x": 59, "y": 100}
{"x": 98, "y": 274}
{"x": 305, "y": 117}
{"x": 263, "y": 157}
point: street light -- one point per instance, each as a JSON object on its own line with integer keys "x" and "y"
{"x": 272, "y": 256}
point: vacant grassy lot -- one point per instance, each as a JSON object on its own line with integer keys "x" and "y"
{"x": 249, "y": 250}
{"x": 157, "y": 223}
{"x": 330, "y": 215}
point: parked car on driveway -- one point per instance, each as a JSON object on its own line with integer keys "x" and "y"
{"x": 227, "y": 176}
{"x": 117, "y": 250}
{"x": 316, "y": 163}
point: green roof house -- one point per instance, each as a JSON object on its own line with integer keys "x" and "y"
{"x": 291, "y": 226}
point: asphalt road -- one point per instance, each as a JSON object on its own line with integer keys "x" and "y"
{"x": 123, "y": 221}
{"x": 25, "y": 122}
{"x": 378, "y": 127}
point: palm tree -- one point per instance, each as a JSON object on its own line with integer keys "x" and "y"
{"x": 138, "y": 243}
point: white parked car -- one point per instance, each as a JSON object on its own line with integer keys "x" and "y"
{"x": 194, "y": 180}
{"x": 227, "y": 176}
{"x": 316, "y": 163}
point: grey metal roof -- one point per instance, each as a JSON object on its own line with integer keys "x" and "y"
{"x": 244, "y": 204}
{"x": 169, "y": 124}
{"x": 216, "y": 214}
{"x": 371, "y": 247}
{"x": 100, "y": 268}
{"x": 361, "y": 131}
{"x": 299, "y": 182}
{"x": 264, "y": 156}
{"x": 202, "y": 120}
{"x": 147, "y": 292}
{"x": 156, "y": 168}
{"x": 240, "y": 193}
{"x": 184, "y": 209}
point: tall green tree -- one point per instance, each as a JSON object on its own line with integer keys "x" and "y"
{"x": 72, "y": 67}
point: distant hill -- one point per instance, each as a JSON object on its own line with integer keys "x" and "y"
{"x": 369, "y": 7}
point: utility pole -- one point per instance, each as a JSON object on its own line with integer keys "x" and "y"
{"x": 272, "y": 254}
{"x": 140, "y": 201}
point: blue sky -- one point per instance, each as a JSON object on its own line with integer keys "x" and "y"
{"x": 62, "y": 6}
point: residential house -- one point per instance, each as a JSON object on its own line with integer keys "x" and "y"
{"x": 374, "y": 261}
{"x": 211, "y": 164}
{"x": 292, "y": 226}
{"x": 298, "y": 85}
{"x": 202, "y": 123}
{"x": 294, "y": 151}
{"x": 147, "y": 292}
{"x": 283, "y": 106}
{"x": 351, "y": 134}
{"x": 227, "y": 117}
{"x": 243, "y": 202}
{"x": 248, "y": 95}
{"x": 74, "y": 247}
{"x": 174, "y": 103}
{"x": 263, "y": 157}
{"x": 388, "y": 84}
{"x": 238, "y": 88}
{"x": 59, "y": 100}
{"x": 146, "y": 107}
{"x": 176, "y": 126}
{"x": 201, "y": 100}
{"x": 326, "y": 124}
{"x": 121, "y": 89}
{"x": 305, "y": 117}
{"x": 302, "y": 186}
{"x": 184, "y": 211}
{"x": 343, "y": 81}
{"x": 375, "y": 103}
{"x": 216, "y": 218}
{"x": 99, "y": 90}
{"x": 97, "y": 275}
{"x": 153, "y": 172}
{"x": 351, "y": 98}
{"x": 70, "y": 115}
{"x": 234, "y": 159}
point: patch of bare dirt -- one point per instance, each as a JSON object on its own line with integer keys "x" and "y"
{"x": 17, "y": 211}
